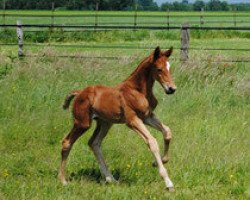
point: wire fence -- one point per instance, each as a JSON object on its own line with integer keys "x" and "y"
{"x": 183, "y": 47}
{"x": 122, "y": 27}
{"x": 96, "y": 18}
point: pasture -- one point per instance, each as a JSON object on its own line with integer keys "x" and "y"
{"x": 222, "y": 19}
{"x": 208, "y": 115}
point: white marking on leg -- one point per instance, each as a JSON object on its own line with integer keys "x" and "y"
{"x": 168, "y": 183}
{"x": 139, "y": 127}
{"x": 155, "y": 123}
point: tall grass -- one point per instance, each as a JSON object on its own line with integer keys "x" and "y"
{"x": 58, "y": 35}
{"x": 208, "y": 116}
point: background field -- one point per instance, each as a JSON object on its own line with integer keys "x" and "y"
{"x": 126, "y": 18}
{"x": 208, "y": 115}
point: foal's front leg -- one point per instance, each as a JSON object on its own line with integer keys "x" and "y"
{"x": 137, "y": 125}
{"x": 155, "y": 123}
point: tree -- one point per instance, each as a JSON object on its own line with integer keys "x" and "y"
{"x": 198, "y": 5}
{"x": 147, "y": 5}
{"x": 181, "y": 6}
{"x": 224, "y": 6}
{"x": 167, "y": 6}
{"x": 214, "y": 5}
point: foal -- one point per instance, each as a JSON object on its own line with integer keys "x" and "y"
{"x": 132, "y": 102}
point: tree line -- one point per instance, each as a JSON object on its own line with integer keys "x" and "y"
{"x": 212, "y": 5}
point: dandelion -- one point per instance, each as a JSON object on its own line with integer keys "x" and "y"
{"x": 5, "y": 173}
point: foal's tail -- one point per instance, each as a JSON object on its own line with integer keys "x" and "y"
{"x": 69, "y": 98}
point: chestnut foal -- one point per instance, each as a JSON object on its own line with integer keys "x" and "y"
{"x": 132, "y": 102}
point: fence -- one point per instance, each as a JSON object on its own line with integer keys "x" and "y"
{"x": 135, "y": 19}
{"x": 185, "y": 37}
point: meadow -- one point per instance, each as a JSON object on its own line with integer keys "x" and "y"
{"x": 208, "y": 114}
{"x": 143, "y": 18}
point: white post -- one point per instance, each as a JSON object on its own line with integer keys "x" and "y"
{"x": 19, "y": 32}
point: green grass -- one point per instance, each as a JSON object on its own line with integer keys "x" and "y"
{"x": 127, "y": 18}
{"x": 208, "y": 116}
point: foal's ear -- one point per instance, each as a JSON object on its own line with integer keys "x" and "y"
{"x": 169, "y": 52}
{"x": 157, "y": 53}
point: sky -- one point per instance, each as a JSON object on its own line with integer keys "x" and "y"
{"x": 229, "y": 1}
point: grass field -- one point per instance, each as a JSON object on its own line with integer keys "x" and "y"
{"x": 209, "y": 117}
{"x": 126, "y": 18}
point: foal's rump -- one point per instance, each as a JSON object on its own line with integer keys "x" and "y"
{"x": 97, "y": 102}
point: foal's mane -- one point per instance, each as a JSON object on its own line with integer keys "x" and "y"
{"x": 143, "y": 64}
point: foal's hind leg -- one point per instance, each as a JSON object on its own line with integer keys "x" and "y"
{"x": 95, "y": 144}
{"x": 67, "y": 144}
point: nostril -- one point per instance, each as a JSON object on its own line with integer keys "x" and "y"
{"x": 172, "y": 89}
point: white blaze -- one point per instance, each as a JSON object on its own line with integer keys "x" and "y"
{"x": 168, "y": 65}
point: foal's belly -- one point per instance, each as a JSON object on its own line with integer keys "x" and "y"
{"x": 107, "y": 105}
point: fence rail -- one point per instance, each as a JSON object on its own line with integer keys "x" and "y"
{"x": 162, "y": 14}
{"x": 108, "y": 27}
{"x": 133, "y": 18}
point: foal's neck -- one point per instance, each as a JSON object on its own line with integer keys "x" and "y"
{"x": 141, "y": 79}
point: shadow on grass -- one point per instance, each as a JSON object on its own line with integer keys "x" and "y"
{"x": 95, "y": 175}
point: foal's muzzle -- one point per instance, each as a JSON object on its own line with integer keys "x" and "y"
{"x": 170, "y": 90}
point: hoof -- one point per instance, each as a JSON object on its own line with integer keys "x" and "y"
{"x": 63, "y": 180}
{"x": 154, "y": 164}
{"x": 171, "y": 189}
{"x": 164, "y": 160}
{"x": 110, "y": 180}
{"x": 65, "y": 183}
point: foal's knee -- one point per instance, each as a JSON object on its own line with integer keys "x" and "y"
{"x": 65, "y": 144}
{"x": 167, "y": 133}
{"x": 93, "y": 143}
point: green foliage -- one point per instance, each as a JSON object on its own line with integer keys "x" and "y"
{"x": 69, "y": 4}
{"x": 198, "y": 5}
{"x": 147, "y": 5}
{"x": 58, "y": 35}
{"x": 241, "y": 7}
{"x": 216, "y": 5}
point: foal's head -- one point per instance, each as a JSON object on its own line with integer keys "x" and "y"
{"x": 161, "y": 69}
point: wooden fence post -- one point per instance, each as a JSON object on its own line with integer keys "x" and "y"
{"x": 19, "y": 32}
{"x": 52, "y": 14}
{"x": 96, "y": 13}
{"x": 184, "y": 42}
{"x": 235, "y": 9}
{"x": 168, "y": 18}
{"x": 135, "y": 15}
{"x": 201, "y": 17}
{"x": 4, "y": 6}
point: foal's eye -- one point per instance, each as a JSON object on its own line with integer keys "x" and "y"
{"x": 159, "y": 69}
